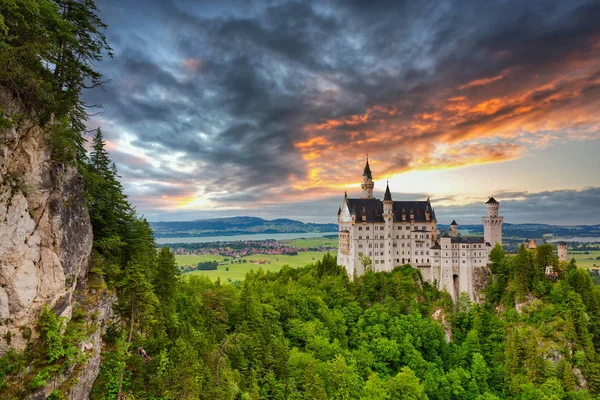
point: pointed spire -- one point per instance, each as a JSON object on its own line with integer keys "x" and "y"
{"x": 453, "y": 223}
{"x": 388, "y": 194}
{"x": 367, "y": 171}
{"x": 345, "y": 194}
{"x": 492, "y": 200}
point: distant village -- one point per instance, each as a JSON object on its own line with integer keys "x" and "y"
{"x": 244, "y": 248}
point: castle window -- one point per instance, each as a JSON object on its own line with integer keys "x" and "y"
{"x": 360, "y": 228}
{"x": 359, "y": 237}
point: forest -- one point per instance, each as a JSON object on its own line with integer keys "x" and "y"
{"x": 303, "y": 333}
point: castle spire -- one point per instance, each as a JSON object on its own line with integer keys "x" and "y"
{"x": 367, "y": 184}
{"x": 388, "y": 194}
{"x": 367, "y": 171}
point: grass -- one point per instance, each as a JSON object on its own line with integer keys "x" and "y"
{"x": 312, "y": 242}
{"x": 586, "y": 260}
{"x": 237, "y": 272}
{"x": 195, "y": 259}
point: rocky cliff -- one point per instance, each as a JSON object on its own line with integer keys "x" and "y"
{"x": 45, "y": 239}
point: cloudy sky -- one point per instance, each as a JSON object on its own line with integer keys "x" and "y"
{"x": 268, "y": 108}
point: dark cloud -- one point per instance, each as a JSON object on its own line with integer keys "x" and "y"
{"x": 227, "y": 90}
{"x": 557, "y": 207}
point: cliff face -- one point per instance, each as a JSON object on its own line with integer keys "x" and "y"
{"x": 45, "y": 238}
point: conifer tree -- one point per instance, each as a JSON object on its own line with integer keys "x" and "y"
{"x": 523, "y": 273}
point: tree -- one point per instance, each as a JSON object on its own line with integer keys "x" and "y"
{"x": 136, "y": 300}
{"x": 366, "y": 263}
{"x": 524, "y": 273}
{"x": 406, "y": 386}
{"x": 165, "y": 284}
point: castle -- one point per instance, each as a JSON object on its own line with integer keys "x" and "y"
{"x": 393, "y": 233}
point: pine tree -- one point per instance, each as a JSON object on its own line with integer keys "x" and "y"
{"x": 523, "y": 273}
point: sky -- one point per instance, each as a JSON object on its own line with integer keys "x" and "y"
{"x": 268, "y": 108}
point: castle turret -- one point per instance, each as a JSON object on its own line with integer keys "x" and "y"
{"x": 562, "y": 251}
{"x": 367, "y": 184}
{"x": 492, "y": 223}
{"x": 453, "y": 229}
{"x": 388, "y": 218}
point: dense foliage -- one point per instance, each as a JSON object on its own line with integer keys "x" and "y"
{"x": 310, "y": 333}
{"x": 47, "y": 53}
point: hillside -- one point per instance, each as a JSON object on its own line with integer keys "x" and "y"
{"x": 235, "y": 226}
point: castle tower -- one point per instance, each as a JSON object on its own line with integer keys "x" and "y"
{"x": 453, "y": 229}
{"x": 367, "y": 182}
{"x": 562, "y": 251}
{"x": 388, "y": 218}
{"x": 492, "y": 223}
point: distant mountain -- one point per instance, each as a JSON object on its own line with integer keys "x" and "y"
{"x": 235, "y": 226}
{"x": 250, "y": 225}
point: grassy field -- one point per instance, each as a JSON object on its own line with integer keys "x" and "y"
{"x": 586, "y": 260}
{"x": 312, "y": 242}
{"x": 194, "y": 260}
{"x": 238, "y": 271}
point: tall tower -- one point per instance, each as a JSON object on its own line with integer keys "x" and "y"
{"x": 388, "y": 218}
{"x": 367, "y": 182}
{"x": 562, "y": 251}
{"x": 492, "y": 223}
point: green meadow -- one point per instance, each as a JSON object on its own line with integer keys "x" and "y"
{"x": 586, "y": 260}
{"x": 312, "y": 242}
{"x": 237, "y": 272}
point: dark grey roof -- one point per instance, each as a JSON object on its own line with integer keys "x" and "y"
{"x": 367, "y": 171}
{"x": 467, "y": 239}
{"x": 454, "y": 223}
{"x": 436, "y": 246}
{"x": 388, "y": 194}
{"x": 492, "y": 200}
{"x": 373, "y": 209}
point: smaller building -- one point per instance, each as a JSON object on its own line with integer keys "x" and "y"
{"x": 563, "y": 252}
{"x": 532, "y": 244}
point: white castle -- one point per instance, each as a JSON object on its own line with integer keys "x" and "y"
{"x": 394, "y": 233}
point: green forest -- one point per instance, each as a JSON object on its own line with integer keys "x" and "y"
{"x": 300, "y": 333}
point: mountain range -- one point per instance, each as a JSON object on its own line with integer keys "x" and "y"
{"x": 251, "y": 225}
{"x": 236, "y": 226}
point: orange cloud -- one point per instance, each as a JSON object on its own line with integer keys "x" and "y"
{"x": 484, "y": 81}
{"x": 455, "y": 130}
